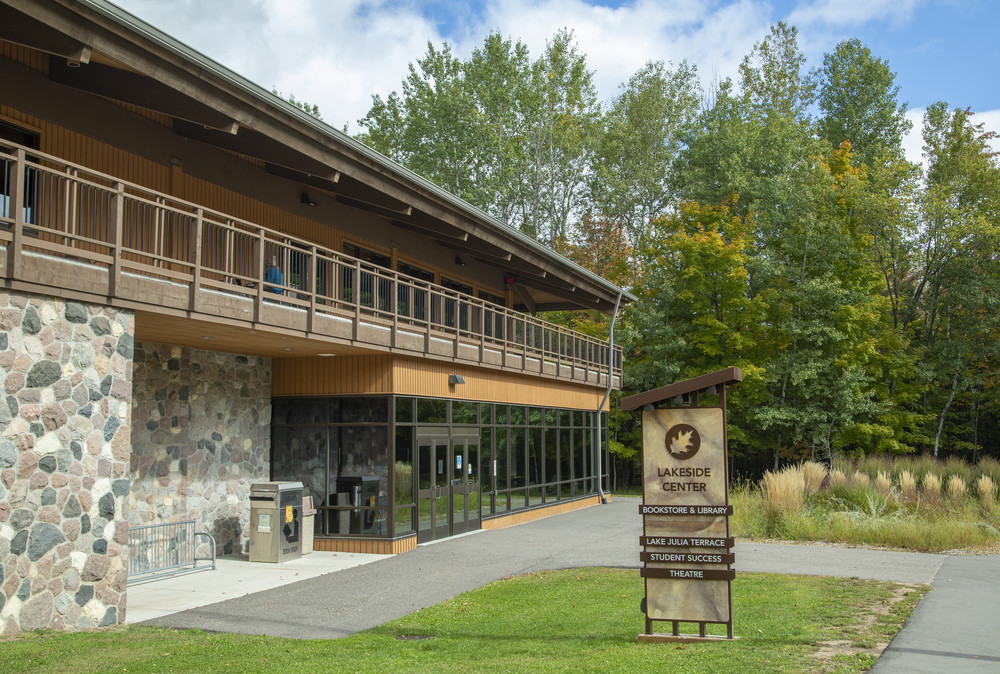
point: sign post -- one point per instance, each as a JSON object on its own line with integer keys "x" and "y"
{"x": 687, "y": 549}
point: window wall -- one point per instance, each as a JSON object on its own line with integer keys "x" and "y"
{"x": 355, "y": 456}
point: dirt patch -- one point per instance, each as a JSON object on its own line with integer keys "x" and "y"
{"x": 865, "y": 629}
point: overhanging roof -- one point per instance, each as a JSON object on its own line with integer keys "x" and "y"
{"x": 134, "y": 62}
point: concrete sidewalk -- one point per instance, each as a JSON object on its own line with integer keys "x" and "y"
{"x": 324, "y": 595}
{"x": 956, "y": 627}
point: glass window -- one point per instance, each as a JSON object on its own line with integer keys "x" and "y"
{"x": 551, "y": 457}
{"x": 518, "y": 476}
{"x": 463, "y": 412}
{"x": 432, "y": 411}
{"x": 403, "y": 473}
{"x": 360, "y": 410}
{"x": 299, "y": 454}
{"x": 536, "y": 456}
{"x": 534, "y": 416}
{"x": 404, "y": 410}
{"x": 516, "y": 415}
{"x": 501, "y": 415}
{"x": 486, "y": 460}
{"x": 502, "y": 459}
{"x": 298, "y": 411}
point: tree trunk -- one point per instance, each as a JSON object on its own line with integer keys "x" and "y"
{"x": 944, "y": 411}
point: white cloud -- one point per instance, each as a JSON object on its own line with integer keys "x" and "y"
{"x": 848, "y": 13}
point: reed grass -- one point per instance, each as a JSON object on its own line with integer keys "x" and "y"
{"x": 783, "y": 491}
{"x": 908, "y": 486}
{"x": 837, "y": 478}
{"x": 883, "y": 483}
{"x": 986, "y": 489}
{"x": 932, "y": 487}
{"x": 813, "y": 476}
{"x": 957, "y": 487}
{"x": 903, "y": 507}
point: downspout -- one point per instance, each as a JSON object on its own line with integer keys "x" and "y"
{"x": 607, "y": 394}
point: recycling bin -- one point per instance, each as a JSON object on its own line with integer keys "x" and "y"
{"x": 275, "y": 521}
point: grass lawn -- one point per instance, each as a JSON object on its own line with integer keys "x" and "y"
{"x": 581, "y": 620}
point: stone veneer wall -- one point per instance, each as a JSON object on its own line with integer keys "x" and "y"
{"x": 201, "y": 436}
{"x": 66, "y": 375}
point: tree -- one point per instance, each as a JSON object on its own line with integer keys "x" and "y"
{"x": 430, "y": 128}
{"x": 858, "y": 99}
{"x": 958, "y": 277}
{"x": 640, "y": 142}
{"x": 562, "y": 124}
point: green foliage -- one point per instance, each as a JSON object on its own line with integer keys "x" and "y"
{"x": 773, "y": 224}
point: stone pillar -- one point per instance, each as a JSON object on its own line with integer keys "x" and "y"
{"x": 65, "y": 424}
{"x": 201, "y": 436}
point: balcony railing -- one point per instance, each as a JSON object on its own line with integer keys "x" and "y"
{"x": 151, "y": 247}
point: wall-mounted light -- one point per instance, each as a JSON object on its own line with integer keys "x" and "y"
{"x": 306, "y": 199}
{"x": 459, "y": 261}
{"x": 455, "y": 379}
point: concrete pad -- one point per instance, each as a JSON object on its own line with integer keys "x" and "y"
{"x": 234, "y": 576}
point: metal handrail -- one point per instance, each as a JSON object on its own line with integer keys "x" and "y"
{"x": 53, "y": 206}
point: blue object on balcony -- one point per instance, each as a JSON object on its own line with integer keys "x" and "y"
{"x": 274, "y": 275}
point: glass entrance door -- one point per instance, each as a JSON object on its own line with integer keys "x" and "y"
{"x": 448, "y": 500}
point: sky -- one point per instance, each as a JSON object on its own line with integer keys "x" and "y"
{"x": 338, "y": 53}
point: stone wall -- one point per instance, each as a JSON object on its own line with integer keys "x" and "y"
{"x": 65, "y": 417}
{"x": 201, "y": 436}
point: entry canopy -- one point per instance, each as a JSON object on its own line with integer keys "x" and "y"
{"x": 731, "y": 375}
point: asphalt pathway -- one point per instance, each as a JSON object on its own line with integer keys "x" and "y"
{"x": 955, "y": 628}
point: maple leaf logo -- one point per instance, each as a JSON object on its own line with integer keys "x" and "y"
{"x": 683, "y": 441}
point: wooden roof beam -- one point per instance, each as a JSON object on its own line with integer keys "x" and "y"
{"x": 136, "y": 89}
{"x": 255, "y": 144}
{"x": 22, "y": 29}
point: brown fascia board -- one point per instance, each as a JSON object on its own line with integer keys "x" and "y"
{"x": 730, "y": 375}
{"x": 141, "y": 46}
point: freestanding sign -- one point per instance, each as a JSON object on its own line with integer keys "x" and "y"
{"x": 687, "y": 550}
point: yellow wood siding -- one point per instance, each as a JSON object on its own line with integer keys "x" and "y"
{"x": 417, "y": 377}
{"x": 331, "y": 376}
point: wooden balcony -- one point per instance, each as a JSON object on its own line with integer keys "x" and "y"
{"x": 77, "y": 233}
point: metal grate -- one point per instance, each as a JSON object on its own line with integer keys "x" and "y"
{"x": 166, "y": 549}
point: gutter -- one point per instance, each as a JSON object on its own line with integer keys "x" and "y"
{"x": 607, "y": 394}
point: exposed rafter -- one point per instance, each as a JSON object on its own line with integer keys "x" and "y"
{"x": 21, "y": 29}
{"x": 255, "y": 144}
{"x": 136, "y": 89}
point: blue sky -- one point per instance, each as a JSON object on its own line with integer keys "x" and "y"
{"x": 337, "y": 53}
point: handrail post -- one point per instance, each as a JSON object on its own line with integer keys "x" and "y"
{"x": 117, "y": 230}
{"x": 194, "y": 246}
{"x": 259, "y": 254}
{"x": 393, "y": 282}
{"x": 16, "y": 201}
{"x": 311, "y": 288}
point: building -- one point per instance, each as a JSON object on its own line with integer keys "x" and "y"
{"x": 204, "y": 288}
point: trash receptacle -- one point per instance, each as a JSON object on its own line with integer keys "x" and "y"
{"x": 308, "y": 524}
{"x": 275, "y": 521}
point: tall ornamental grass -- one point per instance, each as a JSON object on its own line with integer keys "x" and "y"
{"x": 909, "y": 503}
